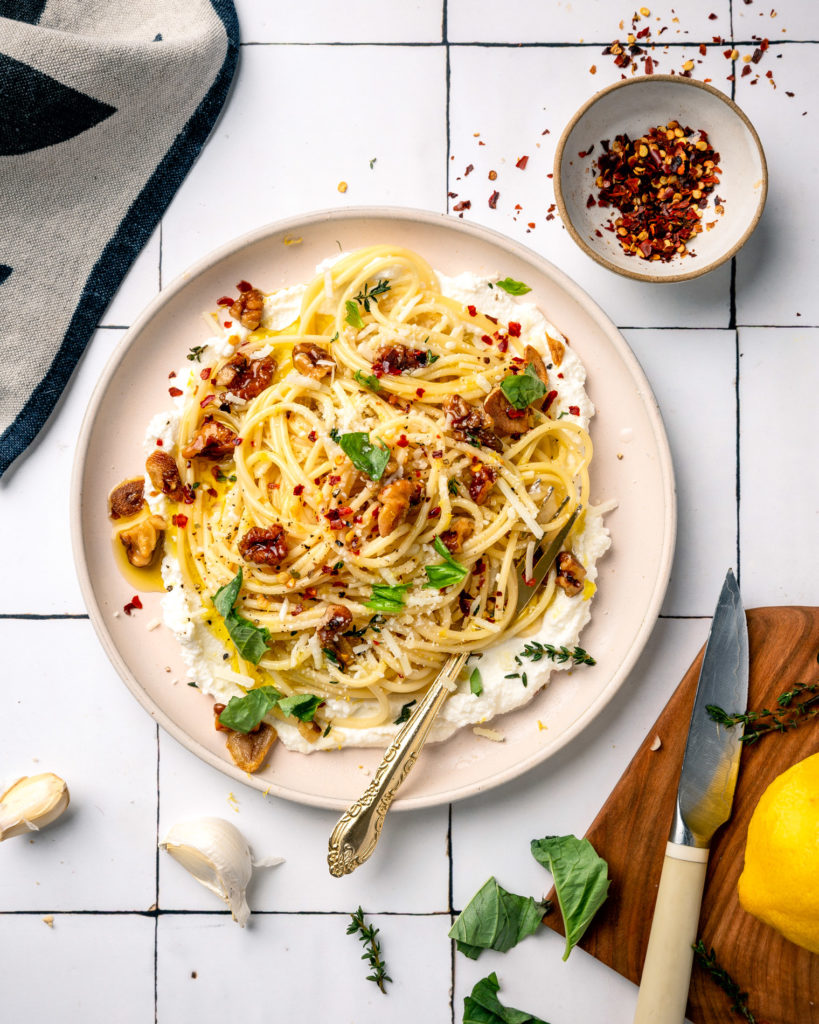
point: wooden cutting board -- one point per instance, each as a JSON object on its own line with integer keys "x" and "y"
{"x": 630, "y": 832}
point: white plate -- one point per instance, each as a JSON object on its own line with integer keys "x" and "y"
{"x": 632, "y": 464}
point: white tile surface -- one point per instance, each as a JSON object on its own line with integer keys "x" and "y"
{"x": 779, "y": 414}
{"x": 84, "y": 969}
{"x": 769, "y": 288}
{"x": 301, "y": 968}
{"x": 327, "y": 132}
{"x": 478, "y": 105}
{"x": 34, "y": 501}
{"x": 790, "y": 19}
{"x": 570, "y": 21}
{"x": 705, "y": 470}
{"x": 358, "y": 21}
{"x": 66, "y": 711}
{"x": 191, "y": 789}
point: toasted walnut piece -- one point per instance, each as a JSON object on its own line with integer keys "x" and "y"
{"x": 459, "y": 532}
{"x": 141, "y": 541}
{"x": 395, "y": 502}
{"x": 309, "y": 730}
{"x": 250, "y": 749}
{"x": 214, "y": 441}
{"x": 570, "y": 573}
{"x": 397, "y": 359}
{"x": 531, "y": 355}
{"x": 481, "y": 482}
{"x": 470, "y": 424}
{"x": 164, "y": 475}
{"x": 312, "y": 360}
{"x": 506, "y": 419}
{"x": 245, "y": 377}
{"x": 264, "y": 545}
{"x": 127, "y": 498}
{"x": 337, "y": 620}
{"x": 557, "y": 349}
{"x": 228, "y": 373}
{"x": 248, "y": 308}
{"x": 217, "y": 725}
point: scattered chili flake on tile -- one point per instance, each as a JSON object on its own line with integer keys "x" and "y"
{"x": 463, "y": 205}
{"x": 469, "y": 169}
{"x": 593, "y": 69}
{"x": 493, "y": 175}
{"x": 493, "y": 200}
{"x": 521, "y": 164}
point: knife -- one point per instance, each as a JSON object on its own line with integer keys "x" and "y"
{"x": 704, "y": 798}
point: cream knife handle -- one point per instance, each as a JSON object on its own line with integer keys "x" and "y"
{"x": 667, "y": 970}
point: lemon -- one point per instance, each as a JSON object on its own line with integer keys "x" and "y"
{"x": 779, "y": 883}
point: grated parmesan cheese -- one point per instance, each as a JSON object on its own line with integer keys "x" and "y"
{"x": 523, "y": 512}
{"x": 489, "y": 734}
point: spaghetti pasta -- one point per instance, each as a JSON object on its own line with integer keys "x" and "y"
{"x": 359, "y": 469}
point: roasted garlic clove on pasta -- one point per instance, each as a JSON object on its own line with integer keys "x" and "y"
{"x": 248, "y": 307}
{"x": 533, "y": 358}
{"x": 312, "y": 360}
{"x": 141, "y": 541}
{"x": 395, "y": 503}
{"x": 213, "y": 441}
{"x": 264, "y": 545}
{"x": 249, "y": 749}
{"x": 570, "y": 573}
{"x": 164, "y": 475}
{"x": 127, "y": 498}
{"x": 506, "y": 419}
{"x": 557, "y": 349}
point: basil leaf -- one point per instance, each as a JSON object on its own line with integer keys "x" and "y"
{"x": 484, "y": 1007}
{"x": 523, "y": 388}
{"x": 475, "y": 682}
{"x": 495, "y": 919}
{"x": 244, "y": 713}
{"x": 301, "y": 705}
{"x": 370, "y": 458}
{"x": 405, "y": 713}
{"x": 367, "y": 380}
{"x": 353, "y": 317}
{"x": 447, "y": 574}
{"x": 225, "y": 597}
{"x": 388, "y": 600}
{"x": 513, "y": 287}
{"x": 581, "y": 881}
{"x": 248, "y": 639}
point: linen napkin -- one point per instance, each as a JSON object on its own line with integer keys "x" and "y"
{"x": 104, "y": 106}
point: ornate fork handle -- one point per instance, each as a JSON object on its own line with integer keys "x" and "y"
{"x": 355, "y": 836}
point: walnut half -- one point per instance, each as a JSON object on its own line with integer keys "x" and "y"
{"x": 141, "y": 541}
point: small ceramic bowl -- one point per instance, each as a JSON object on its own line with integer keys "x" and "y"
{"x": 633, "y": 107}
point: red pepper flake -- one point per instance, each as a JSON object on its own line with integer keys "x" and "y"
{"x": 180, "y": 520}
{"x": 205, "y": 374}
{"x": 213, "y": 492}
{"x": 472, "y": 310}
{"x": 530, "y": 225}
{"x": 312, "y": 436}
{"x": 226, "y": 300}
{"x": 514, "y": 329}
{"x": 419, "y": 392}
{"x": 586, "y": 152}
{"x": 310, "y": 593}
{"x": 574, "y": 410}
{"x": 207, "y": 400}
{"x": 493, "y": 200}
{"x": 438, "y": 453}
{"x": 746, "y": 71}
{"x": 174, "y": 392}
{"x": 133, "y": 605}
{"x": 469, "y": 169}
{"x": 159, "y": 442}
{"x": 465, "y": 204}
{"x": 791, "y": 94}
{"x": 703, "y": 49}
{"x": 402, "y": 441}
{"x": 171, "y": 375}
{"x": 560, "y": 376}
{"x": 549, "y": 399}
{"x": 590, "y": 202}
{"x": 503, "y": 344}
{"x": 521, "y": 164}
{"x": 649, "y": 66}
{"x": 712, "y": 17}
{"x": 244, "y": 286}
{"x": 515, "y": 414}
{"x": 228, "y": 323}
{"x": 435, "y": 512}
{"x": 298, "y": 489}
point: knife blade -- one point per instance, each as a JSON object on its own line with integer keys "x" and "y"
{"x": 528, "y": 587}
{"x": 704, "y": 799}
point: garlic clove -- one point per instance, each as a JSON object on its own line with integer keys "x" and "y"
{"x": 31, "y": 803}
{"x": 218, "y": 856}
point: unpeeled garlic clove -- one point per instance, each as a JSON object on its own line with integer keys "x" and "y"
{"x": 217, "y": 855}
{"x": 31, "y": 803}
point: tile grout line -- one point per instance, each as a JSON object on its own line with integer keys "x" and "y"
{"x": 156, "y": 889}
{"x": 40, "y": 618}
{"x": 733, "y": 324}
{"x": 544, "y": 45}
{"x": 180, "y": 912}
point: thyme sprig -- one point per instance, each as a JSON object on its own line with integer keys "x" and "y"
{"x": 535, "y": 651}
{"x": 367, "y": 295}
{"x": 789, "y": 713}
{"x": 708, "y": 961}
{"x": 372, "y": 952}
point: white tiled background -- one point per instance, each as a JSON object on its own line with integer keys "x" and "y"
{"x": 733, "y": 359}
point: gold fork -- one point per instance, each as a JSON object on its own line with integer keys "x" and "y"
{"x": 358, "y": 830}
